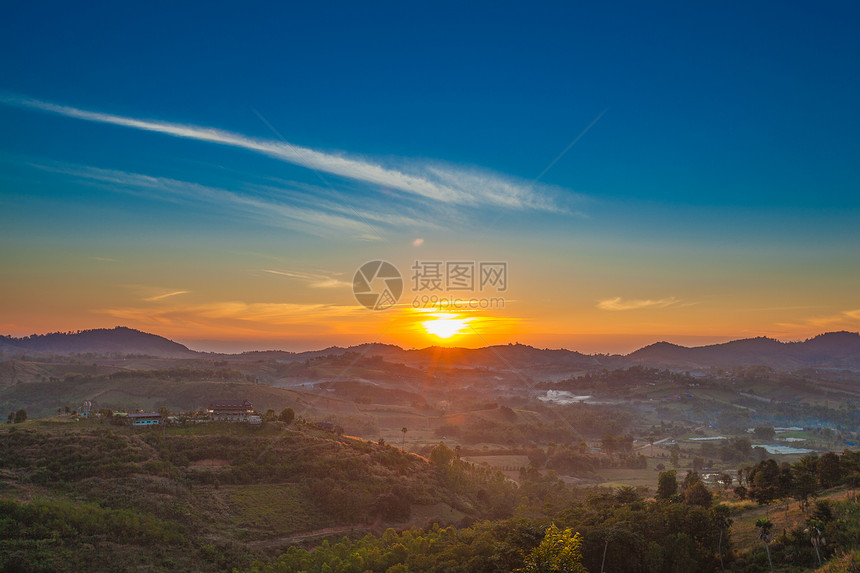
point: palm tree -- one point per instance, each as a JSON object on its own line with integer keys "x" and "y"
{"x": 403, "y": 429}
{"x": 610, "y": 535}
{"x": 723, "y": 520}
{"x": 765, "y": 525}
{"x": 816, "y": 536}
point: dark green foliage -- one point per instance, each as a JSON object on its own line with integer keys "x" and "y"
{"x": 764, "y": 481}
{"x": 675, "y": 537}
{"x": 764, "y": 433}
{"x": 667, "y": 485}
{"x": 53, "y": 535}
{"x": 829, "y": 470}
{"x": 287, "y": 416}
{"x": 698, "y": 494}
{"x": 143, "y": 480}
{"x": 559, "y": 552}
{"x": 67, "y": 520}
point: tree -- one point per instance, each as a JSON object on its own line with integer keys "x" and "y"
{"x": 287, "y": 416}
{"x": 698, "y": 494}
{"x": 560, "y": 551}
{"x": 764, "y": 481}
{"x": 689, "y": 479}
{"x": 816, "y": 536}
{"x": 674, "y": 454}
{"x": 667, "y": 485}
{"x": 764, "y": 525}
{"x": 404, "y": 430}
{"x": 627, "y": 494}
{"x": 270, "y": 415}
{"x": 20, "y": 416}
{"x": 852, "y": 480}
{"x": 823, "y": 511}
{"x": 829, "y": 470}
{"x": 722, "y": 518}
{"x": 10, "y": 418}
{"x": 764, "y": 433}
{"x": 537, "y": 457}
{"x": 441, "y": 455}
{"x": 805, "y": 482}
{"x": 608, "y": 443}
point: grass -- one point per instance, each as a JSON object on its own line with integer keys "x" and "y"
{"x": 634, "y": 477}
{"x": 276, "y": 509}
{"x": 744, "y": 532}
{"x": 502, "y": 461}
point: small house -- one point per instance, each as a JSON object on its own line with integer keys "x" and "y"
{"x": 145, "y": 419}
{"x": 231, "y": 411}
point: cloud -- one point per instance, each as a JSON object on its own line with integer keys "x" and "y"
{"x": 166, "y": 295}
{"x": 618, "y": 303}
{"x": 234, "y": 316}
{"x": 314, "y": 280}
{"x": 844, "y": 318}
{"x": 430, "y": 181}
{"x": 418, "y": 242}
{"x": 323, "y": 220}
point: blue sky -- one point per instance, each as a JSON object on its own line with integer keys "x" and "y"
{"x": 713, "y": 142}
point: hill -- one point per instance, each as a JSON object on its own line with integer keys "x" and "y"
{"x": 830, "y": 350}
{"x": 839, "y": 350}
{"x": 92, "y": 496}
{"x": 120, "y": 340}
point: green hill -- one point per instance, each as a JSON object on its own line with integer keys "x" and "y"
{"x": 89, "y": 496}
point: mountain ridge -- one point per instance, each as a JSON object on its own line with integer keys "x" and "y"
{"x": 839, "y": 349}
{"x": 119, "y": 339}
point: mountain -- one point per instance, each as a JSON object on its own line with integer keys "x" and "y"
{"x": 99, "y": 341}
{"x": 830, "y": 350}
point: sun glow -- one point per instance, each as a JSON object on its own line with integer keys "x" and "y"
{"x": 444, "y": 325}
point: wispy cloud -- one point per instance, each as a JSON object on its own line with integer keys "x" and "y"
{"x": 314, "y": 280}
{"x": 323, "y": 220}
{"x": 233, "y": 316}
{"x": 431, "y": 181}
{"x": 165, "y": 295}
{"x": 618, "y": 303}
{"x": 844, "y": 319}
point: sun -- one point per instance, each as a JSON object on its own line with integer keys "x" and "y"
{"x": 445, "y": 326}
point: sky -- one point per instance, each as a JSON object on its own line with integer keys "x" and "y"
{"x": 217, "y": 173}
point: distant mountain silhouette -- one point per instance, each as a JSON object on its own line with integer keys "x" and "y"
{"x": 830, "y": 350}
{"x": 99, "y": 341}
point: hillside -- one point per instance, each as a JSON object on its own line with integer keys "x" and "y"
{"x": 89, "y": 496}
{"x": 830, "y": 350}
{"x": 100, "y": 341}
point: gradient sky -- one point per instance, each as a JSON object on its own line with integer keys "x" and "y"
{"x": 217, "y": 173}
